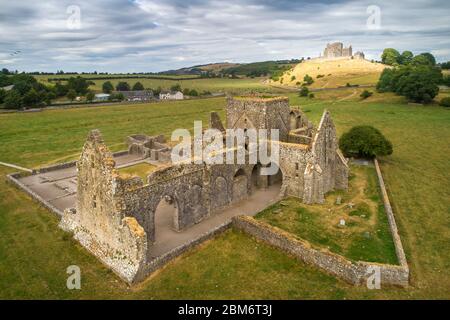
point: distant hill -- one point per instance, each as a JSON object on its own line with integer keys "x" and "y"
{"x": 332, "y": 73}
{"x": 255, "y": 69}
{"x": 198, "y": 70}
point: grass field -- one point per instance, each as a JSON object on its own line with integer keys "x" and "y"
{"x": 34, "y": 253}
{"x": 214, "y": 85}
{"x": 365, "y": 236}
{"x": 141, "y": 170}
{"x": 334, "y": 73}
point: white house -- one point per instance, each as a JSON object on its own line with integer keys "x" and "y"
{"x": 173, "y": 95}
{"x": 102, "y": 97}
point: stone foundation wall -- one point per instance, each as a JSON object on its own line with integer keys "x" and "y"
{"x": 353, "y": 272}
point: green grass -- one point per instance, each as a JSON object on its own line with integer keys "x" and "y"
{"x": 34, "y": 253}
{"x": 366, "y": 235}
{"x": 141, "y": 170}
{"x": 215, "y": 85}
{"x": 57, "y": 135}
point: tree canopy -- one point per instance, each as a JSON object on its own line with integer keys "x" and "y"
{"x": 418, "y": 83}
{"x": 107, "y": 87}
{"x": 365, "y": 142}
{"x": 123, "y": 86}
{"x": 138, "y": 86}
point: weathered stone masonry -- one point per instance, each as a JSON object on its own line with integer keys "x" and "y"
{"x": 115, "y": 217}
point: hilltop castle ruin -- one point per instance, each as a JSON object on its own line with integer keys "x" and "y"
{"x": 337, "y": 50}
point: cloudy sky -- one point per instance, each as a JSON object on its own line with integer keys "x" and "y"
{"x": 156, "y": 35}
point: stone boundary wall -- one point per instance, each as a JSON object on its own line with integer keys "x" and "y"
{"x": 162, "y": 260}
{"x": 355, "y": 273}
{"x": 14, "y": 179}
{"x": 392, "y": 224}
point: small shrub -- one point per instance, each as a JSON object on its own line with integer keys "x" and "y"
{"x": 445, "y": 102}
{"x": 365, "y": 142}
{"x": 311, "y": 95}
{"x": 366, "y": 94}
{"x": 308, "y": 80}
{"x": 320, "y": 76}
{"x": 304, "y": 91}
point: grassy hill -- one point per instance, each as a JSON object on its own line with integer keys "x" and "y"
{"x": 333, "y": 73}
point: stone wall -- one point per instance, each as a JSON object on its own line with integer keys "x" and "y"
{"x": 98, "y": 222}
{"x": 259, "y": 113}
{"x": 390, "y": 214}
{"x": 355, "y": 273}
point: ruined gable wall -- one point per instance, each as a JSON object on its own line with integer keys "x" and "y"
{"x": 259, "y": 113}
{"x": 329, "y": 170}
{"x": 97, "y": 222}
{"x": 293, "y": 161}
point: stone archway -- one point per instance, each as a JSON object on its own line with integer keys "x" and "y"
{"x": 275, "y": 179}
{"x": 258, "y": 181}
{"x": 166, "y": 216}
{"x": 293, "y": 121}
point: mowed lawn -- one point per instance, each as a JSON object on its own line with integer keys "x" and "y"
{"x": 34, "y": 253}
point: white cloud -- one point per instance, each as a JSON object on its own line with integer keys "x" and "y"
{"x": 155, "y": 35}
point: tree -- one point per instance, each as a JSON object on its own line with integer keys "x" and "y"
{"x": 417, "y": 83}
{"x": 186, "y": 91}
{"x": 390, "y": 56}
{"x": 31, "y": 98}
{"x": 90, "y": 96}
{"x": 193, "y": 93}
{"x": 308, "y": 80}
{"x": 365, "y": 142}
{"x": 431, "y": 59}
{"x": 49, "y": 97}
{"x": 79, "y": 84}
{"x": 2, "y": 95}
{"x": 71, "y": 94}
{"x": 366, "y": 94}
{"x": 138, "y": 86}
{"x": 406, "y": 57}
{"x": 119, "y": 96}
{"x": 157, "y": 91}
{"x": 13, "y": 100}
{"x": 445, "y": 65}
{"x": 22, "y": 87}
{"x": 123, "y": 86}
{"x": 5, "y": 80}
{"x": 60, "y": 89}
{"x": 175, "y": 87}
{"x": 445, "y": 102}
{"x": 424, "y": 59}
{"x": 304, "y": 91}
{"x": 107, "y": 87}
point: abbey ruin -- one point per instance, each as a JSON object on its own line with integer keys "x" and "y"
{"x": 136, "y": 225}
